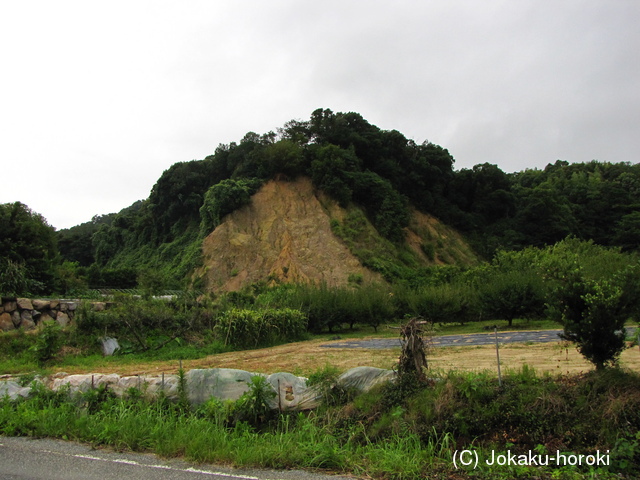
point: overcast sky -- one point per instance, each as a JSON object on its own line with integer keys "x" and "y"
{"x": 97, "y": 99}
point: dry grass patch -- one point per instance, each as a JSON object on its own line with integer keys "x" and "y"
{"x": 555, "y": 358}
{"x": 303, "y": 358}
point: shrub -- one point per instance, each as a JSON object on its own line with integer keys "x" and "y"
{"x": 329, "y": 308}
{"x": 594, "y": 292}
{"x": 253, "y": 405}
{"x": 512, "y": 294}
{"x": 137, "y": 319}
{"x": 445, "y": 303}
{"x": 223, "y": 198}
{"x": 325, "y": 382}
{"x": 47, "y": 344}
{"x": 592, "y": 318}
{"x": 244, "y": 328}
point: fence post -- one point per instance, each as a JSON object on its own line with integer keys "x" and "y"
{"x": 495, "y": 330}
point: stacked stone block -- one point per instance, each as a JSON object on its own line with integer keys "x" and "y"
{"x": 27, "y": 313}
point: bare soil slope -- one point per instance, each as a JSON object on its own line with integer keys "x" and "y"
{"x": 285, "y": 235}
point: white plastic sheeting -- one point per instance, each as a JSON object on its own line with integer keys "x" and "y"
{"x": 291, "y": 392}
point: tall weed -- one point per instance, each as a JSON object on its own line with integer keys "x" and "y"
{"x": 245, "y": 328}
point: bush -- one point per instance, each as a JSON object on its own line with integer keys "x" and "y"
{"x": 329, "y": 308}
{"x": 325, "y": 382}
{"x": 222, "y": 199}
{"x": 445, "y": 303}
{"x": 253, "y": 405}
{"x": 139, "y": 319}
{"x": 243, "y": 328}
{"x": 592, "y": 318}
{"x": 595, "y": 291}
{"x": 512, "y": 294}
{"x": 47, "y": 344}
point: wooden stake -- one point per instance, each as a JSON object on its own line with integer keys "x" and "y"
{"x": 279, "y": 398}
{"x": 495, "y": 330}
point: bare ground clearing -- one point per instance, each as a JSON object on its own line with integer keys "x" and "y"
{"x": 303, "y": 358}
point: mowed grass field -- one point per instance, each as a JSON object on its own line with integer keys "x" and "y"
{"x": 304, "y": 358}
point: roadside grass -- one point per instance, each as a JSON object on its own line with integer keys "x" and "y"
{"x": 383, "y": 434}
{"x": 551, "y": 399}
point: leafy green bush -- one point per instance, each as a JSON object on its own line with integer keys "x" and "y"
{"x": 445, "y": 303}
{"x": 47, "y": 344}
{"x": 28, "y": 251}
{"x": 14, "y": 278}
{"x": 512, "y": 294}
{"x": 141, "y": 320}
{"x": 244, "y": 328}
{"x": 223, "y": 198}
{"x": 594, "y": 292}
{"x": 253, "y": 405}
{"x": 332, "y": 307}
{"x": 324, "y": 381}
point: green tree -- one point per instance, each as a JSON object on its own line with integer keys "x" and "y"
{"x": 151, "y": 281}
{"x": 222, "y": 199}
{"x": 595, "y": 291}
{"x": 512, "y": 294}
{"x": 284, "y": 157}
{"x": 28, "y": 251}
{"x": 627, "y": 232}
{"x": 69, "y": 278}
{"x": 544, "y": 216}
{"x": 329, "y": 169}
{"x": 387, "y": 208}
{"x": 445, "y": 303}
{"x": 13, "y": 278}
{"x": 178, "y": 194}
{"x": 591, "y": 313}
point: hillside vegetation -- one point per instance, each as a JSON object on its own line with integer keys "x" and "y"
{"x": 380, "y": 172}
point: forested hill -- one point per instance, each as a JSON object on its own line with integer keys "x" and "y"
{"x": 381, "y": 171}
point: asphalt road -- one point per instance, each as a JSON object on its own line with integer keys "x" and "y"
{"x": 533, "y": 336}
{"x": 455, "y": 340}
{"x": 47, "y": 459}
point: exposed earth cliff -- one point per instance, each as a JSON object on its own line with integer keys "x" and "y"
{"x": 285, "y": 234}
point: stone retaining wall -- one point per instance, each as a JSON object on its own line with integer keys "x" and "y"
{"x": 28, "y": 313}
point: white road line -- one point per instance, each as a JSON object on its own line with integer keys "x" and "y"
{"x": 161, "y": 467}
{"x": 156, "y": 466}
